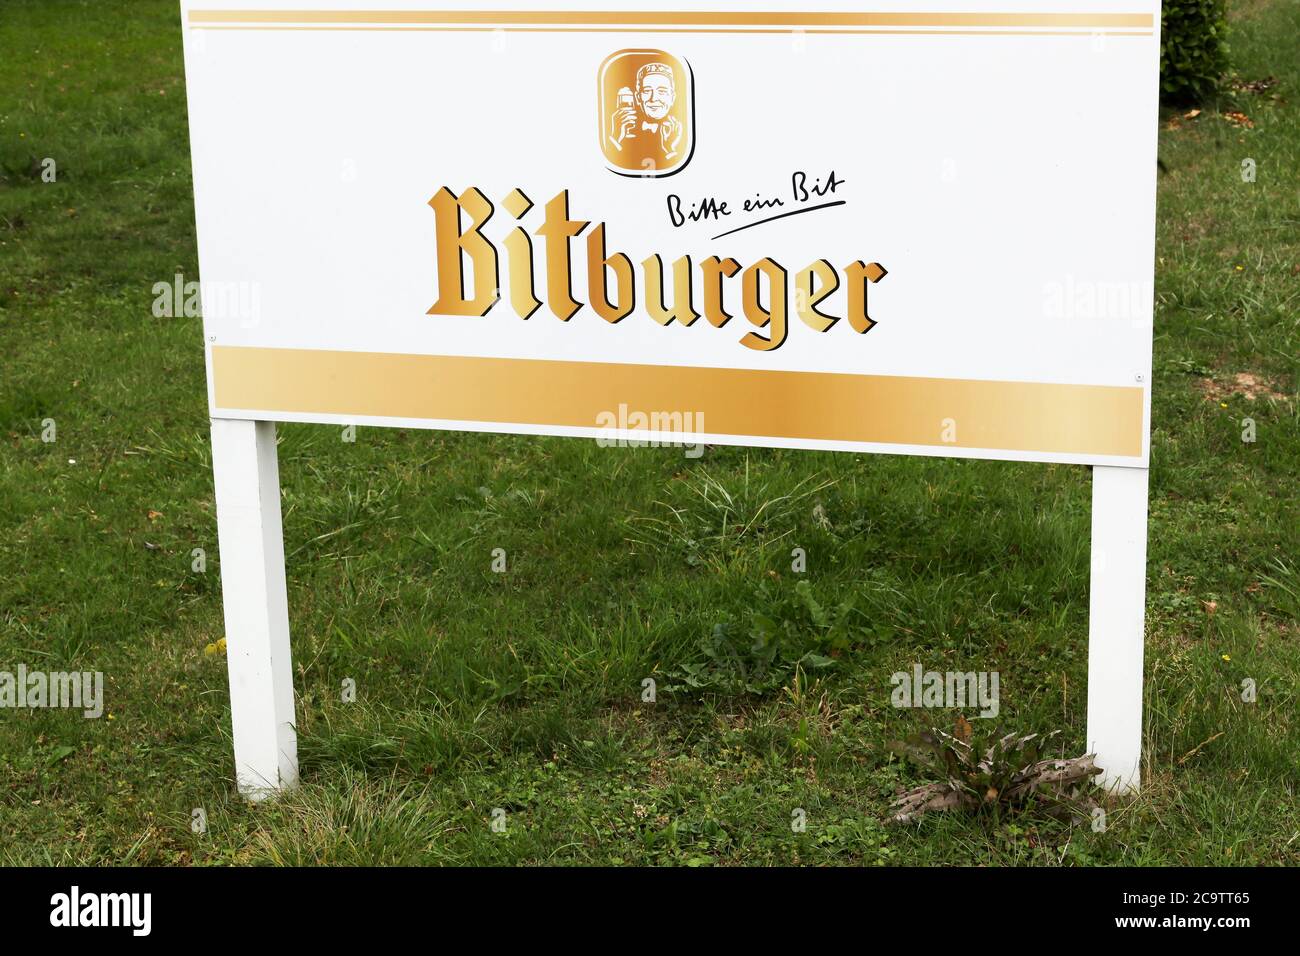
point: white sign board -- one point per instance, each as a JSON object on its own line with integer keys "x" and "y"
{"x": 919, "y": 228}
{"x": 908, "y": 231}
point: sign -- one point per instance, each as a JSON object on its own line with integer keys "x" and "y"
{"x": 907, "y": 230}
{"x": 902, "y": 231}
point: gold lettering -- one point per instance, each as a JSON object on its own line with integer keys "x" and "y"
{"x": 557, "y": 230}
{"x": 598, "y": 288}
{"x": 519, "y": 256}
{"x": 766, "y": 309}
{"x": 452, "y": 244}
{"x": 774, "y": 316}
{"x": 859, "y": 275}
{"x": 682, "y": 308}
{"x": 806, "y": 299}
{"x": 714, "y": 269}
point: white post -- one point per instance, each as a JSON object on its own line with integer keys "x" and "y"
{"x": 1117, "y": 612}
{"x": 249, "y": 534}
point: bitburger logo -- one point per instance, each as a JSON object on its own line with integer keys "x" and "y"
{"x": 646, "y": 115}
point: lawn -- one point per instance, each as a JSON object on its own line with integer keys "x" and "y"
{"x": 517, "y": 697}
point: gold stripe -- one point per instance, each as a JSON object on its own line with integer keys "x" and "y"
{"x": 756, "y": 31}
{"x": 679, "y": 18}
{"x": 814, "y": 406}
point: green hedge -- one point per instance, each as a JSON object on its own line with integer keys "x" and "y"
{"x": 1194, "y": 53}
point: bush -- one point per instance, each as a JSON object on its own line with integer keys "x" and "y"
{"x": 1193, "y": 52}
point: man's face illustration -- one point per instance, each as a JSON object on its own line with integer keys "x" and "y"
{"x": 656, "y": 95}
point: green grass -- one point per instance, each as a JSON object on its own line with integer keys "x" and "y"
{"x": 522, "y": 691}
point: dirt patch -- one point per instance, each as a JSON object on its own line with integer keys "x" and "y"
{"x": 1246, "y": 9}
{"x": 1198, "y": 227}
{"x": 1247, "y": 384}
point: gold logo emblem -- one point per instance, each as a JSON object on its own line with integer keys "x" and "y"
{"x": 646, "y": 114}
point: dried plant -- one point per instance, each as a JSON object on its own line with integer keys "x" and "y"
{"x": 992, "y": 773}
